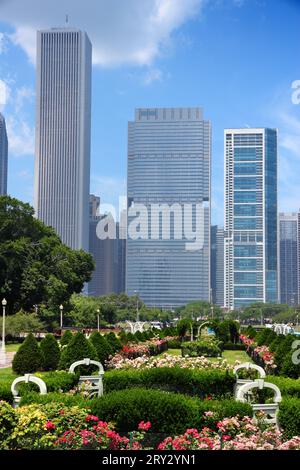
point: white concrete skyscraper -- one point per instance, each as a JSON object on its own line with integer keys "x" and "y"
{"x": 63, "y": 122}
{"x": 3, "y": 156}
{"x": 250, "y": 245}
{"x": 169, "y": 157}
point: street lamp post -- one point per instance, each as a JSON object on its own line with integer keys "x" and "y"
{"x": 261, "y": 317}
{"x": 61, "y": 308}
{"x": 137, "y": 306}
{"x": 4, "y": 303}
{"x": 98, "y": 319}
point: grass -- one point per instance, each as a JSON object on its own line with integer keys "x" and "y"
{"x": 230, "y": 356}
{"x": 12, "y": 347}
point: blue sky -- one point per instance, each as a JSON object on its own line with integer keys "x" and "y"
{"x": 235, "y": 58}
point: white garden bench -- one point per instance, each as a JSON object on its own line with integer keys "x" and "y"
{"x": 247, "y": 366}
{"x": 26, "y": 379}
{"x": 95, "y": 382}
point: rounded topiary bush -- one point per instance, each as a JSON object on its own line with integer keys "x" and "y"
{"x": 28, "y": 358}
{"x": 50, "y": 353}
{"x": 78, "y": 348}
{"x": 66, "y": 338}
{"x": 114, "y": 342}
{"x": 8, "y": 421}
{"x": 102, "y": 346}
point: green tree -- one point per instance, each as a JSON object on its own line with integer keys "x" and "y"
{"x": 35, "y": 266}
{"x": 66, "y": 338}
{"x": 23, "y": 322}
{"x": 28, "y": 358}
{"x": 102, "y": 346}
{"x": 50, "y": 353}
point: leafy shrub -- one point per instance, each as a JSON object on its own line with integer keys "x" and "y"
{"x": 66, "y": 338}
{"x": 102, "y": 346}
{"x": 5, "y": 392}
{"x": 286, "y": 385}
{"x": 201, "y": 348}
{"x": 274, "y": 345}
{"x": 78, "y": 348}
{"x": 283, "y": 351}
{"x": 28, "y": 358}
{"x": 168, "y": 412}
{"x": 8, "y": 421}
{"x": 233, "y": 347}
{"x": 250, "y": 331}
{"x": 289, "y": 417}
{"x": 50, "y": 353}
{"x": 174, "y": 344}
{"x": 113, "y": 341}
{"x": 262, "y": 338}
{"x": 204, "y": 383}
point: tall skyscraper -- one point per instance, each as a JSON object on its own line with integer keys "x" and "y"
{"x": 63, "y": 115}
{"x": 217, "y": 265}
{"x": 288, "y": 233}
{"x": 169, "y": 157}
{"x": 109, "y": 256}
{"x": 250, "y": 217}
{"x": 3, "y": 156}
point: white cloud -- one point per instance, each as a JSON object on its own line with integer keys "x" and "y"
{"x": 20, "y": 136}
{"x": 2, "y": 43}
{"x": 4, "y": 94}
{"x": 122, "y": 31}
{"x": 109, "y": 188}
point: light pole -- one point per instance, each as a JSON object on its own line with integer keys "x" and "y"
{"x": 212, "y": 312}
{"x": 61, "y": 308}
{"x": 261, "y": 317}
{"x": 137, "y": 306}
{"x": 98, "y": 319}
{"x": 4, "y": 303}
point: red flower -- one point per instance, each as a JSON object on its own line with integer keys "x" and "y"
{"x": 91, "y": 418}
{"x": 144, "y": 426}
{"x": 49, "y": 426}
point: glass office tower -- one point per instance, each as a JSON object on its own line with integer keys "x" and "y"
{"x": 250, "y": 217}
{"x": 288, "y": 233}
{"x": 217, "y": 265}
{"x": 169, "y": 154}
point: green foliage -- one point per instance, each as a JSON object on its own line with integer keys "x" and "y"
{"x": 113, "y": 341}
{"x": 251, "y": 332}
{"x": 66, "y": 399}
{"x": 50, "y": 353}
{"x": 78, "y": 348}
{"x": 8, "y": 421}
{"x": 226, "y": 331}
{"x": 204, "y": 383}
{"x": 287, "y": 386}
{"x": 36, "y": 267}
{"x": 66, "y": 338}
{"x": 102, "y": 346}
{"x": 23, "y": 322}
{"x": 183, "y": 327}
{"x": 284, "y": 351}
{"x": 201, "y": 348}
{"x": 289, "y": 417}
{"x": 28, "y": 358}
{"x": 233, "y": 347}
{"x": 174, "y": 344}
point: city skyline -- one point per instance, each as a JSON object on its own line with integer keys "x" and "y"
{"x": 263, "y": 100}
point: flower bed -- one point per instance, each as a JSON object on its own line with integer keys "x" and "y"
{"x": 57, "y": 427}
{"x": 261, "y": 355}
{"x": 146, "y": 362}
{"x": 131, "y": 351}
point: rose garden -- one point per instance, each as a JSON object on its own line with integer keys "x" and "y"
{"x": 158, "y": 391}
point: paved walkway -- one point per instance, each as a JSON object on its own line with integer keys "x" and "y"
{"x": 8, "y": 360}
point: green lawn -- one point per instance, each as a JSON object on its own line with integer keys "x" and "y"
{"x": 7, "y": 373}
{"x": 230, "y": 356}
{"x": 12, "y": 347}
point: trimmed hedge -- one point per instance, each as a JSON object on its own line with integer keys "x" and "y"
{"x": 78, "y": 348}
{"x": 102, "y": 346}
{"x": 55, "y": 382}
{"x": 233, "y": 347}
{"x": 286, "y": 385}
{"x": 28, "y": 358}
{"x": 202, "y": 383}
{"x": 169, "y": 413}
{"x": 50, "y": 352}
{"x": 289, "y": 417}
{"x": 201, "y": 348}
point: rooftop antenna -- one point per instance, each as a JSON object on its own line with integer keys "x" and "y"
{"x": 67, "y": 20}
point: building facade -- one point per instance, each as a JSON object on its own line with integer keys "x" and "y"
{"x": 3, "y": 156}
{"x": 217, "y": 265}
{"x": 109, "y": 255}
{"x": 251, "y": 272}
{"x": 169, "y": 158}
{"x": 63, "y": 115}
{"x": 288, "y": 236}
